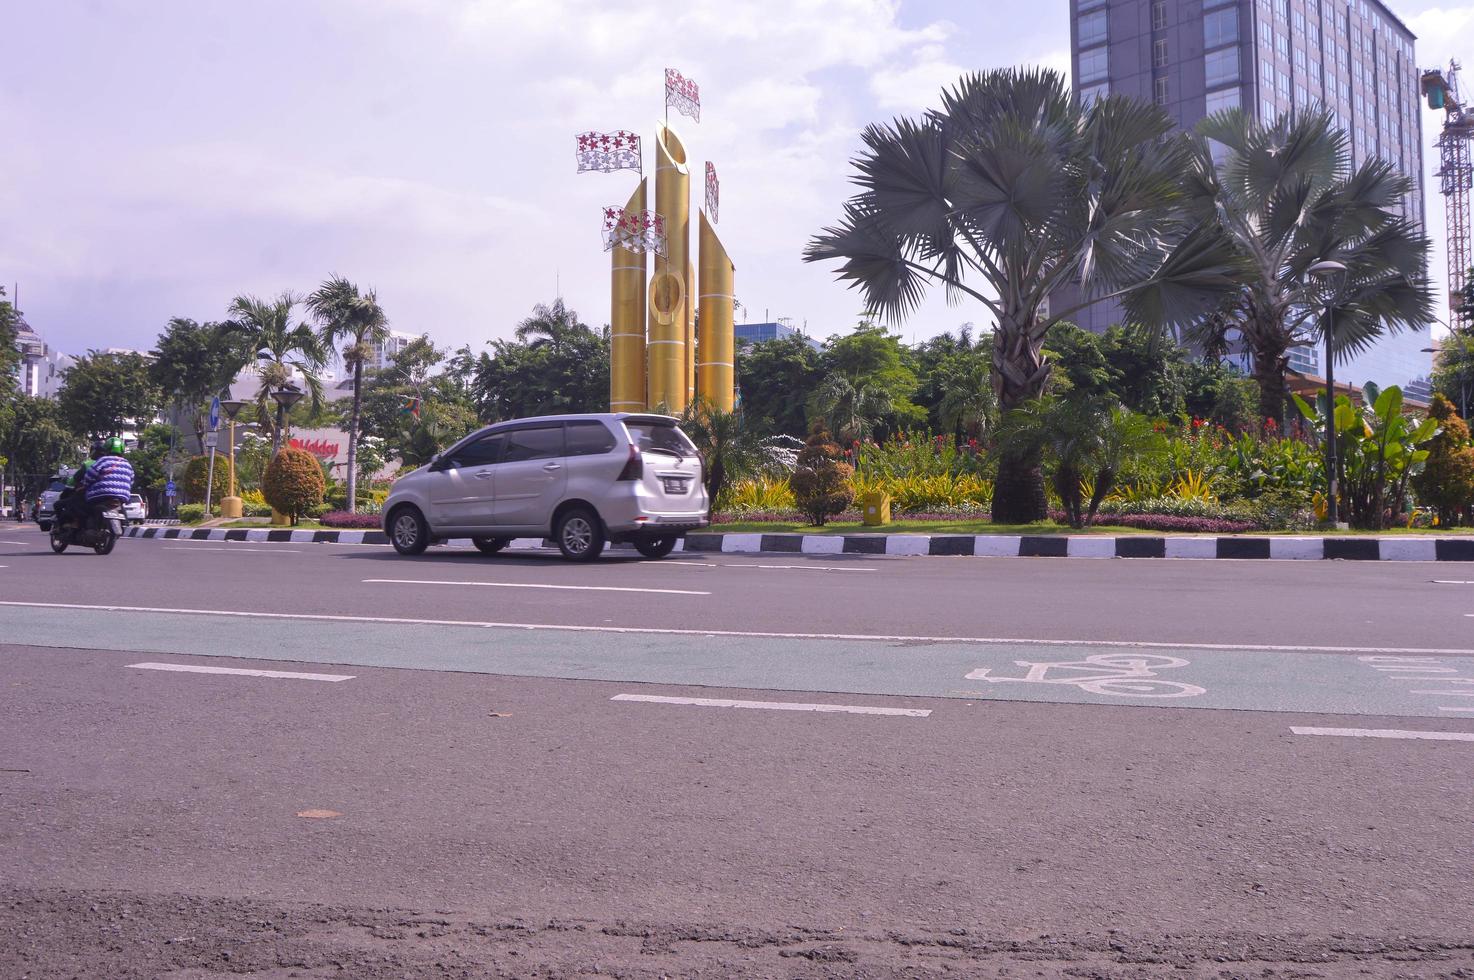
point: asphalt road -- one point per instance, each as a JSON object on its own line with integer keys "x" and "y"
{"x": 463, "y": 799}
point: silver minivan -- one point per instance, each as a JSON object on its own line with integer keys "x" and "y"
{"x": 582, "y": 480}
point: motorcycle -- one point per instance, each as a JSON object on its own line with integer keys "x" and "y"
{"x": 101, "y": 530}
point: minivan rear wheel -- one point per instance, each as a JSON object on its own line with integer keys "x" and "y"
{"x": 656, "y": 547}
{"x": 408, "y": 532}
{"x": 579, "y": 534}
{"x": 490, "y": 546}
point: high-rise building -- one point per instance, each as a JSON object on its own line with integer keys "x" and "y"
{"x": 384, "y": 354}
{"x": 1196, "y": 57}
{"x": 42, "y": 369}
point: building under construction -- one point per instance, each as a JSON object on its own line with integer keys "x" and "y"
{"x": 1455, "y": 175}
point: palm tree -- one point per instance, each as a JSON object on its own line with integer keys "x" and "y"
{"x": 281, "y": 349}
{"x": 552, "y": 325}
{"x": 729, "y": 447}
{"x": 345, "y": 314}
{"x": 1287, "y": 198}
{"x": 850, "y": 410}
{"x": 1010, "y": 191}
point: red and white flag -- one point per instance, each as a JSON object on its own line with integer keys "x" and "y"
{"x": 713, "y": 191}
{"x": 608, "y": 152}
{"x": 682, "y": 95}
{"x": 637, "y": 231}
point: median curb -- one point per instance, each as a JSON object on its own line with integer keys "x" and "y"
{"x": 950, "y": 545}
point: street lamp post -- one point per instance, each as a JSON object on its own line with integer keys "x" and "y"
{"x": 1333, "y": 273}
{"x": 232, "y": 506}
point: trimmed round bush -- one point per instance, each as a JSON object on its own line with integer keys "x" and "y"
{"x": 293, "y": 482}
{"x": 821, "y": 484}
{"x": 197, "y": 471}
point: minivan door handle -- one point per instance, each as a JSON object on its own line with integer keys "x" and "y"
{"x": 550, "y": 467}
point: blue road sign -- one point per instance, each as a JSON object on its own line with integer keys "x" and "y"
{"x": 215, "y": 413}
{"x": 169, "y": 489}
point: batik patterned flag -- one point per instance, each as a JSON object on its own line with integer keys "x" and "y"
{"x": 713, "y": 191}
{"x": 608, "y": 152}
{"x": 637, "y": 231}
{"x": 682, "y": 95}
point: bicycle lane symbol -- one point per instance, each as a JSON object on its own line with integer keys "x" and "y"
{"x": 1127, "y": 675}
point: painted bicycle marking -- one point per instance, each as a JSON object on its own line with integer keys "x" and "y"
{"x": 1124, "y": 675}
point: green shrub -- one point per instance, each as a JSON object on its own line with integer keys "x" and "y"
{"x": 191, "y": 513}
{"x": 293, "y": 482}
{"x": 197, "y": 471}
{"x": 1447, "y": 481}
{"x": 254, "y": 505}
{"x": 820, "y": 482}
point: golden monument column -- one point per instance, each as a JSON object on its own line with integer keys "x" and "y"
{"x": 669, "y": 295}
{"x": 627, "y": 322}
{"x": 715, "y": 371}
{"x": 691, "y": 310}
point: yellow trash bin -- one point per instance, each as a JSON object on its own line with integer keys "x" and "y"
{"x": 875, "y": 508}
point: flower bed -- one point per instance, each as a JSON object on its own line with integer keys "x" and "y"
{"x": 1165, "y": 523}
{"x": 342, "y": 518}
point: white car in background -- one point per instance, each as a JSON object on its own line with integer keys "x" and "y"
{"x": 136, "y": 509}
{"x": 582, "y": 480}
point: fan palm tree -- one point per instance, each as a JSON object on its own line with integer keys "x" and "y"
{"x": 282, "y": 349}
{"x": 851, "y": 410}
{"x": 552, "y": 326}
{"x": 345, "y": 314}
{"x": 1009, "y": 191}
{"x": 1286, "y": 197}
{"x": 730, "y": 448}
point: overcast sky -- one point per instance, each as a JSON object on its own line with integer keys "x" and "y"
{"x": 162, "y": 157}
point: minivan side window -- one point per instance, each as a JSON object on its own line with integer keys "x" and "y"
{"x": 477, "y": 452}
{"x": 587, "y": 438}
{"x": 544, "y": 442}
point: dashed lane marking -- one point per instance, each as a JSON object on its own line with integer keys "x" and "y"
{"x": 851, "y": 709}
{"x": 676, "y": 631}
{"x": 530, "y": 585}
{"x": 1385, "y": 733}
{"x": 242, "y": 672}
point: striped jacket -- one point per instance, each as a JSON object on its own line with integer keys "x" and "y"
{"x": 110, "y": 476}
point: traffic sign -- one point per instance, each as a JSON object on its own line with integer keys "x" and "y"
{"x": 215, "y": 413}
{"x": 169, "y": 489}
{"x": 212, "y": 439}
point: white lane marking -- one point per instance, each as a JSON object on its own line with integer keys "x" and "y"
{"x": 241, "y": 550}
{"x": 242, "y": 672}
{"x": 810, "y": 568}
{"x": 1456, "y": 709}
{"x": 1385, "y": 733}
{"x": 22, "y": 543}
{"x": 1452, "y": 581}
{"x": 853, "y": 709}
{"x": 677, "y": 564}
{"x": 671, "y": 631}
{"x": 530, "y": 585}
{"x": 1449, "y": 694}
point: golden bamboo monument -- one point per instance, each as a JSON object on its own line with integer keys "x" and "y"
{"x": 690, "y": 331}
{"x": 714, "y": 366}
{"x": 627, "y": 321}
{"x": 669, "y": 294}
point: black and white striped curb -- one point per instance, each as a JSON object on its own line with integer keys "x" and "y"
{"x": 287, "y": 535}
{"x": 1093, "y": 546}
{"x": 968, "y": 545}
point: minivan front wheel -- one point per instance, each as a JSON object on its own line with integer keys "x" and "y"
{"x": 408, "y": 532}
{"x": 579, "y": 535}
{"x": 657, "y": 547}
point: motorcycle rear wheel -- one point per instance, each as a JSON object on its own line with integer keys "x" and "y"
{"x": 106, "y": 546}
{"x": 58, "y": 543}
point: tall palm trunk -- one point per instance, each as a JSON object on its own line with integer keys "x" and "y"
{"x": 1019, "y": 373}
{"x": 1270, "y": 364}
{"x": 353, "y": 437}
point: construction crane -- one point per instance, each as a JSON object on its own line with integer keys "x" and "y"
{"x": 1456, "y": 179}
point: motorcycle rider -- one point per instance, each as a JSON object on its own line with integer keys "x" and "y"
{"x": 104, "y": 478}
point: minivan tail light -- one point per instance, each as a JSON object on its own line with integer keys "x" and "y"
{"x": 634, "y": 469}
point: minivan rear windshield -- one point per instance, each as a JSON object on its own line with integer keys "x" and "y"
{"x": 660, "y": 437}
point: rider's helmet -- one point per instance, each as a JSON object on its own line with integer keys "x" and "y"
{"x": 112, "y": 446}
